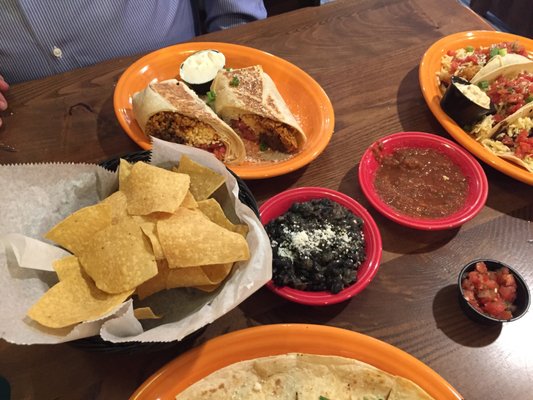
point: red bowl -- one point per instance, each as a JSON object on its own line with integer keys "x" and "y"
{"x": 279, "y": 204}
{"x": 477, "y": 191}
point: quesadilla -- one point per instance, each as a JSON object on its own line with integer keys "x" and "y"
{"x": 169, "y": 110}
{"x": 303, "y": 376}
{"x": 249, "y": 101}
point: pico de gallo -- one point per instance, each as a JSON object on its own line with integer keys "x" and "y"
{"x": 490, "y": 292}
{"x": 509, "y": 94}
{"x": 466, "y": 62}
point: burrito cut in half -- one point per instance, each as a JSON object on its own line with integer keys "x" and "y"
{"x": 303, "y": 376}
{"x": 171, "y": 111}
{"x": 249, "y": 101}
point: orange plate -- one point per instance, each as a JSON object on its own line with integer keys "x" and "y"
{"x": 304, "y": 96}
{"x": 429, "y": 67}
{"x": 268, "y": 340}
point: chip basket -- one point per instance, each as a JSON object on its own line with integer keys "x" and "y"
{"x": 96, "y": 343}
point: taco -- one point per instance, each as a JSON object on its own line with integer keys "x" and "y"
{"x": 512, "y": 138}
{"x": 510, "y": 89}
{"x": 249, "y": 101}
{"x": 303, "y": 376}
{"x": 169, "y": 110}
{"x": 475, "y": 62}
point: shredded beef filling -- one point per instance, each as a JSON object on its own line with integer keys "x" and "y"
{"x": 276, "y": 135}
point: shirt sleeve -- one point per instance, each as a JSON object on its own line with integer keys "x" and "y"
{"x": 223, "y": 14}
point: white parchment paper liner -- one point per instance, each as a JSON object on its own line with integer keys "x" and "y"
{"x": 34, "y": 197}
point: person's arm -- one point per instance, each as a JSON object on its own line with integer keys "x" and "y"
{"x": 3, "y": 102}
{"x": 223, "y": 14}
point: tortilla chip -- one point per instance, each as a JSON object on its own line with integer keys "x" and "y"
{"x": 145, "y": 313}
{"x": 149, "y": 230}
{"x": 212, "y": 209}
{"x": 118, "y": 204}
{"x": 119, "y": 257}
{"x": 204, "y": 181}
{"x": 66, "y": 267}
{"x": 74, "y": 299}
{"x": 151, "y": 189}
{"x": 189, "y": 201}
{"x": 124, "y": 171}
{"x": 198, "y": 276}
{"x": 156, "y": 283}
{"x": 74, "y": 232}
{"x": 189, "y": 239}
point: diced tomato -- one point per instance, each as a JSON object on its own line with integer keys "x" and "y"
{"x": 218, "y": 150}
{"x": 508, "y": 293}
{"x": 481, "y": 267}
{"x": 495, "y": 308}
{"x": 490, "y": 292}
{"x": 524, "y": 145}
{"x": 510, "y": 94}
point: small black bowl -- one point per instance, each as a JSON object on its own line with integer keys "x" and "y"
{"x": 522, "y": 294}
{"x": 460, "y": 108}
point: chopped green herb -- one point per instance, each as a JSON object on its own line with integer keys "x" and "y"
{"x": 211, "y": 96}
{"x": 263, "y": 146}
{"x": 469, "y": 49}
{"x": 494, "y": 52}
{"x": 235, "y": 81}
{"x": 502, "y": 52}
{"x": 483, "y": 85}
{"x": 529, "y": 99}
{"x": 322, "y": 398}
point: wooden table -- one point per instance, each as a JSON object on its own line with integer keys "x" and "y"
{"x": 365, "y": 54}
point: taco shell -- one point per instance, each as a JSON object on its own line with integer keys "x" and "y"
{"x": 510, "y": 128}
{"x": 508, "y": 71}
{"x": 302, "y": 376}
{"x": 179, "y": 115}
{"x": 249, "y": 96}
{"x": 498, "y": 62}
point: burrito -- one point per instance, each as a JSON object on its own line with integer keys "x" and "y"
{"x": 249, "y": 101}
{"x": 169, "y": 110}
{"x": 303, "y": 376}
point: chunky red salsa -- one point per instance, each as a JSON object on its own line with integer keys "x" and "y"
{"x": 421, "y": 183}
{"x": 490, "y": 292}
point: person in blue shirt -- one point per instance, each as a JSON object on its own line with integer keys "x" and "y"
{"x": 43, "y": 38}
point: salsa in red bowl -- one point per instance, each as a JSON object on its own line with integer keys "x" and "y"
{"x": 422, "y": 181}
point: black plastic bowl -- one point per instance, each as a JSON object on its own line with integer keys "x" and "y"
{"x": 522, "y": 294}
{"x": 460, "y": 108}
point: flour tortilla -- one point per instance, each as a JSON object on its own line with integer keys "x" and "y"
{"x": 509, "y": 71}
{"x": 498, "y": 62}
{"x": 256, "y": 93}
{"x": 303, "y": 376}
{"x": 503, "y": 151}
{"x": 173, "y": 95}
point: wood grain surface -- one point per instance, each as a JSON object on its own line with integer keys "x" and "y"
{"x": 365, "y": 54}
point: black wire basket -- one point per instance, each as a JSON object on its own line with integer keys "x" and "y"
{"x": 96, "y": 343}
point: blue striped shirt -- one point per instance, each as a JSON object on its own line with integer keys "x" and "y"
{"x": 39, "y": 38}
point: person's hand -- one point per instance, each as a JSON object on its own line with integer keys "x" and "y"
{"x": 3, "y": 102}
